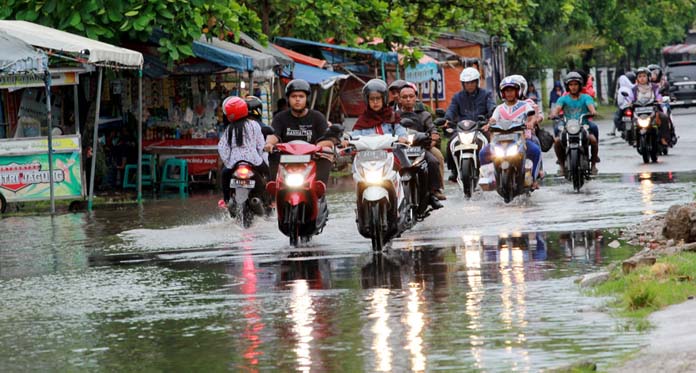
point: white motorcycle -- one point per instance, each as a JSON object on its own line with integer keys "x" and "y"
{"x": 465, "y": 149}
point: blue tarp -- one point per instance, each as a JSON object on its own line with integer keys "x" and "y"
{"x": 388, "y": 57}
{"x": 223, "y": 57}
{"x": 314, "y": 75}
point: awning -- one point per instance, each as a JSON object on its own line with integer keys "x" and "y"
{"x": 388, "y": 57}
{"x": 301, "y": 58}
{"x": 271, "y": 50}
{"x": 50, "y": 38}
{"x": 679, "y": 49}
{"x": 313, "y": 75}
{"x": 222, "y": 57}
{"x": 260, "y": 61}
{"x": 19, "y": 57}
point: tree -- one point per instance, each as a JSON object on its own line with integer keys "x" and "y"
{"x": 116, "y": 20}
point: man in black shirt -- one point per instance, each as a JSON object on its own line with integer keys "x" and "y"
{"x": 300, "y": 123}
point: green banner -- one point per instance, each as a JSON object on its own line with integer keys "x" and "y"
{"x": 26, "y": 177}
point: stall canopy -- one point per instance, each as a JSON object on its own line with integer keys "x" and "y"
{"x": 301, "y": 58}
{"x": 262, "y": 64}
{"x": 313, "y": 75}
{"x": 98, "y": 53}
{"x": 222, "y": 56}
{"x": 270, "y": 49}
{"x": 386, "y": 57}
{"x": 19, "y": 57}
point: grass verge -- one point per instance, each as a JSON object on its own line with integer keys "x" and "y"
{"x": 671, "y": 280}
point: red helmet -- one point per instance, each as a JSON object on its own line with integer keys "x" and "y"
{"x": 235, "y": 108}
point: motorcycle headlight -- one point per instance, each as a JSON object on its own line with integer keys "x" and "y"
{"x": 573, "y": 128}
{"x": 373, "y": 176}
{"x": 294, "y": 180}
{"x": 466, "y": 138}
{"x": 644, "y": 122}
{"x": 499, "y": 152}
{"x": 511, "y": 151}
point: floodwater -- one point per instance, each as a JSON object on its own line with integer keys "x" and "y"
{"x": 177, "y": 285}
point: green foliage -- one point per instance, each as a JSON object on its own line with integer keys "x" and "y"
{"x": 116, "y": 20}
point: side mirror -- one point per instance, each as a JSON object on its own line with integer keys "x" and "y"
{"x": 482, "y": 118}
{"x": 439, "y": 122}
{"x": 440, "y": 113}
{"x": 407, "y": 122}
{"x": 625, "y": 94}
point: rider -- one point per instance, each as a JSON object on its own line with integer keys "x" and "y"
{"x": 623, "y": 86}
{"x": 301, "y": 123}
{"x": 242, "y": 140}
{"x": 394, "y": 91}
{"x": 379, "y": 118}
{"x": 644, "y": 87}
{"x": 511, "y": 109}
{"x": 468, "y": 104}
{"x": 423, "y": 123}
{"x": 574, "y": 105}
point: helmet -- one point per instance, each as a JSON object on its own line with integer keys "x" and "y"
{"x": 255, "y": 106}
{"x": 509, "y": 81}
{"x": 523, "y": 85}
{"x": 573, "y": 76}
{"x": 643, "y": 70}
{"x": 469, "y": 75}
{"x": 412, "y": 86}
{"x": 397, "y": 85}
{"x": 235, "y": 108}
{"x": 657, "y": 70}
{"x": 631, "y": 76}
{"x": 375, "y": 85}
{"x": 296, "y": 85}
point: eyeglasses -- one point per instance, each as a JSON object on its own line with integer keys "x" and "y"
{"x": 375, "y": 99}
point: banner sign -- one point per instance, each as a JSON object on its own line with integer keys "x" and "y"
{"x": 438, "y": 88}
{"x": 24, "y": 174}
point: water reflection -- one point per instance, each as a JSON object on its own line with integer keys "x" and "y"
{"x": 302, "y": 315}
{"x": 250, "y": 310}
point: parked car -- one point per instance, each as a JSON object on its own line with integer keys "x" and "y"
{"x": 682, "y": 83}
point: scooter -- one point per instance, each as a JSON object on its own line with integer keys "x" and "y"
{"x": 414, "y": 172}
{"x": 509, "y": 147}
{"x": 465, "y": 148}
{"x": 383, "y": 208}
{"x": 301, "y": 206}
{"x": 575, "y": 139}
{"x": 647, "y": 134}
{"x": 247, "y": 195}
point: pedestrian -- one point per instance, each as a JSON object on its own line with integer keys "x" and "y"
{"x": 555, "y": 94}
{"x": 532, "y": 94}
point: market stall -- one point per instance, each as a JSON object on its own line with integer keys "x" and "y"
{"x": 86, "y": 51}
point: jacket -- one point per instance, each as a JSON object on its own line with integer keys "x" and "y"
{"x": 470, "y": 106}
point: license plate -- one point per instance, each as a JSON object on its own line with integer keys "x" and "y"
{"x": 414, "y": 150}
{"x": 292, "y": 158}
{"x": 626, "y": 119}
{"x": 242, "y": 183}
{"x": 643, "y": 131}
{"x": 506, "y": 137}
{"x": 372, "y": 155}
{"x": 643, "y": 110}
{"x": 466, "y": 147}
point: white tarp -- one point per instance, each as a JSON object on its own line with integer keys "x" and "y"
{"x": 49, "y": 38}
{"x": 262, "y": 61}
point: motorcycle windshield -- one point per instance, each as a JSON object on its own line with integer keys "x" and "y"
{"x": 466, "y": 125}
{"x": 508, "y": 125}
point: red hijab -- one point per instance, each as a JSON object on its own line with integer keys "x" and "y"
{"x": 371, "y": 119}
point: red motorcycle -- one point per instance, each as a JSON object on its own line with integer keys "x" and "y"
{"x": 301, "y": 206}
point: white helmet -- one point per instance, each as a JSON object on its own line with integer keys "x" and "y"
{"x": 523, "y": 85}
{"x": 469, "y": 74}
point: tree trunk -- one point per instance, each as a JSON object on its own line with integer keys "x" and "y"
{"x": 265, "y": 18}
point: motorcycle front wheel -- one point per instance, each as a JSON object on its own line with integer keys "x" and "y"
{"x": 643, "y": 149}
{"x": 376, "y": 223}
{"x": 575, "y": 171}
{"x": 466, "y": 175}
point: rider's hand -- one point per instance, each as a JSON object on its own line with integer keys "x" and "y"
{"x": 268, "y": 148}
{"x": 486, "y": 127}
{"x": 345, "y": 143}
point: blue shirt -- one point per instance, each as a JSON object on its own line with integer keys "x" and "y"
{"x": 574, "y": 108}
{"x": 399, "y": 130}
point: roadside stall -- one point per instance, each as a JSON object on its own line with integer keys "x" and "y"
{"x": 77, "y": 49}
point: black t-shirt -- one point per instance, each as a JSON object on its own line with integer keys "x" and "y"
{"x": 310, "y": 127}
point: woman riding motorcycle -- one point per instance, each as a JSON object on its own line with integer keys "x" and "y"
{"x": 242, "y": 140}
{"x": 644, "y": 88}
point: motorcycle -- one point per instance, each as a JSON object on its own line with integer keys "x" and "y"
{"x": 646, "y": 130}
{"x": 383, "y": 208}
{"x": 301, "y": 206}
{"x": 414, "y": 173}
{"x": 673, "y": 138}
{"x": 575, "y": 138}
{"x": 513, "y": 176}
{"x": 465, "y": 149}
{"x": 247, "y": 195}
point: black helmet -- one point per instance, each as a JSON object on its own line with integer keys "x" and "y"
{"x": 255, "y": 106}
{"x": 296, "y": 85}
{"x": 573, "y": 76}
{"x": 631, "y": 77}
{"x": 657, "y": 70}
{"x": 397, "y": 85}
{"x": 375, "y": 85}
{"x": 643, "y": 70}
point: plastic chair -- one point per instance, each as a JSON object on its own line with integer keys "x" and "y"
{"x": 175, "y": 175}
{"x": 149, "y": 177}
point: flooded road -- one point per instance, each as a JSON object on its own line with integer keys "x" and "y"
{"x": 176, "y": 285}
